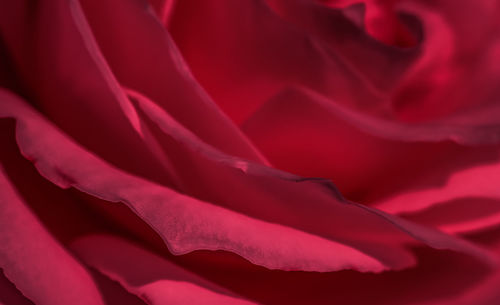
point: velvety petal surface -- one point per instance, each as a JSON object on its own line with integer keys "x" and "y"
{"x": 478, "y": 181}
{"x": 252, "y": 54}
{"x": 143, "y": 57}
{"x": 9, "y": 293}
{"x": 244, "y": 52}
{"x": 62, "y": 72}
{"x": 458, "y": 69}
{"x": 36, "y": 263}
{"x": 468, "y": 200}
{"x": 438, "y": 276}
{"x": 367, "y": 158}
{"x": 151, "y": 277}
{"x": 189, "y": 224}
{"x": 203, "y": 151}
{"x": 290, "y": 197}
{"x": 185, "y": 224}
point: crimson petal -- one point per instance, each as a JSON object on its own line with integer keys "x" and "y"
{"x": 36, "y": 263}
{"x": 154, "y": 279}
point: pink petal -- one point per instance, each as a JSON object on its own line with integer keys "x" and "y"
{"x": 185, "y": 224}
{"x": 251, "y": 188}
{"x": 9, "y": 293}
{"x": 456, "y": 72}
{"x": 243, "y": 53}
{"x": 478, "y": 181}
{"x": 461, "y": 215}
{"x": 153, "y": 278}
{"x": 295, "y": 130}
{"x": 66, "y": 76}
{"x": 380, "y": 65}
{"x": 472, "y": 194}
{"x": 34, "y": 261}
{"x": 63, "y": 214}
{"x": 308, "y": 134}
{"x": 438, "y": 275}
{"x": 113, "y": 292}
{"x": 143, "y": 57}
{"x": 184, "y": 228}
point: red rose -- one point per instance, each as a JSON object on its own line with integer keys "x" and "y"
{"x": 166, "y": 152}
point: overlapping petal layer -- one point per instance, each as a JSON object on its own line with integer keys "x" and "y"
{"x": 34, "y": 261}
{"x": 135, "y": 127}
{"x": 187, "y": 224}
{"x": 154, "y": 279}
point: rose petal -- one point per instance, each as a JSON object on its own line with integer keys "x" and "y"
{"x": 249, "y": 53}
{"x": 9, "y": 293}
{"x": 60, "y": 212}
{"x": 66, "y": 76}
{"x": 151, "y": 277}
{"x": 295, "y": 130}
{"x": 456, "y": 70}
{"x": 462, "y": 193}
{"x": 479, "y": 181}
{"x": 441, "y": 275}
{"x": 308, "y": 134}
{"x": 219, "y": 228}
{"x": 186, "y": 224}
{"x": 34, "y": 261}
{"x": 461, "y": 215}
{"x": 379, "y": 64}
{"x": 143, "y": 199}
{"x": 251, "y": 188}
{"x": 158, "y": 69}
{"x": 113, "y": 292}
